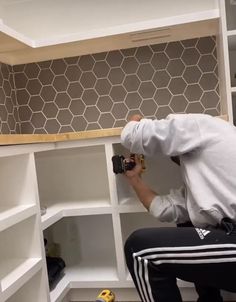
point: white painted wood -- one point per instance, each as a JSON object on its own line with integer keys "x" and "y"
{"x": 12, "y": 215}
{"x": 66, "y": 21}
{"x": 73, "y": 175}
{"x": 24, "y": 271}
{"x": 224, "y": 65}
{"x": 31, "y": 291}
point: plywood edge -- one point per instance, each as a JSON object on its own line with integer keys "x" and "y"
{"x": 18, "y": 139}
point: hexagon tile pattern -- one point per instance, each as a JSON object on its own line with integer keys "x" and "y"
{"x": 9, "y": 119}
{"x": 102, "y": 90}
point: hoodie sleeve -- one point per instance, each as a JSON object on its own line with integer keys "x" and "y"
{"x": 171, "y": 207}
{"x": 175, "y": 135}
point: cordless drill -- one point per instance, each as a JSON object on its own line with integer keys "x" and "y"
{"x": 105, "y": 295}
{"x": 122, "y": 164}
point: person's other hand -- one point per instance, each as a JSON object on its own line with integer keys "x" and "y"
{"x": 135, "y": 117}
{"x": 136, "y": 171}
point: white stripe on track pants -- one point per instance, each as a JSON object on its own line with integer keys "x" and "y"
{"x": 157, "y": 256}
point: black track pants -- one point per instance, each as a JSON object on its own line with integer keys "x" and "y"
{"x": 157, "y": 256}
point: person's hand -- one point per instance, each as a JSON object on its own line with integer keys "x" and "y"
{"x": 135, "y": 117}
{"x": 136, "y": 171}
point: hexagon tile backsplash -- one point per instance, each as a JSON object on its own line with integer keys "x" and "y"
{"x": 103, "y": 90}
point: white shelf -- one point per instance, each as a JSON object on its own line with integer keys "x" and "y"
{"x": 68, "y": 209}
{"x": 233, "y": 90}
{"x": 14, "y": 214}
{"x": 19, "y": 272}
{"x": 69, "y": 20}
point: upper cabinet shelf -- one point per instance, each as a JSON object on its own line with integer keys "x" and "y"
{"x": 76, "y": 27}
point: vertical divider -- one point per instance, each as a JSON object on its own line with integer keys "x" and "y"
{"x": 38, "y": 222}
{"x": 111, "y": 176}
{"x": 115, "y": 213}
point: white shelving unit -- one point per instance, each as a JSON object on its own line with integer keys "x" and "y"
{"x": 228, "y": 31}
{"x": 21, "y": 255}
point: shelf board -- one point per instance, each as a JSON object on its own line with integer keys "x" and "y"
{"x": 72, "y": 208}
{"x": 9, "y": 216}
{"x": 233, "y": 90}
{"x": 19, "y": 272}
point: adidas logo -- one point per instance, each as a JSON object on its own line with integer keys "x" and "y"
{"x": 202, "y": 233}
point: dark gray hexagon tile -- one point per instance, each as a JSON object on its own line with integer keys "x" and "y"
{"x": 194, "y": 108}
{"x": 205, "y": 45}
{"x": 64, "y": 117}
{"x": 26, "y": 127}
{"x": 147, "y": 90}
{"x": 31, "y": 70}
{"x": 101, "y": 69}
{"x": 130, "y": 65}
{"x": 23, "y": 96}
{"x": 119, "y": 110}
{"x": 90, "y": 97}
{"x": 175, "y": 68}
{"x": 9, "y": 105}
{"x": 88, "y": 79}
{"x": 91, "y": 114}
{"x": 58, "y": 67}
{"x": 162, "y": 96}
{"x": 71, "y": 60}
{"x": 145, "y": 72}
{"x": 24, "y": 113}
{"x": 77, "y": 107}
{"x": 163, "y": 112}
{"x": 38, "y": 120}
{"x": 46, "y": 76}
{"x": 158, "y": 47}
{"x": 159, "y": 61}
{"x": 52, "y": 126}
{"x": 177, "y": 85}
{"x": 75, "y": 90}
{"x": 34, "y": 86}
{"x": 36, "y": 103}
{"x": 3, "y": 113}
{"x": 93, "y": 126}
{"x": 178, "y": 103}
{"x": 48, "y": 93}
{"x": 208, "y": 81}
{"x": 144, "y": 54}
{"x": 99, "y": 56}
{"x": 86, "y": 63}
{"x": 190, "y": 56}
{"x": 104, "y": 103}
{"x": 79, "y": 123}
{"x": 192, "y": 74}
{"x": 20, "y": 80}
{"x": 114, "y": 58}
{"x": 62, "y": 100}
{"x": 106, "y": 120}
{"x": 207, "y": 63}
{"x": 118, "y": 93}
{"x": 189, "y": 42}
{"x": 193, "y": 92}
{"x": 60, "y": 83}
{"x": 174, "y": 50}
{"x": 133, "y": 100}
{"x": 65, "y": 129}
{"x": 50, "y": 110}
{"x": 213, "y": 112}
{"x": 148, "y": 107}
{"x": 210, "y": 99}
{"x": 161, "y": 78}
{"x": 131, "y": 83}
{"x": 116, "y": 75}
{"x": 102, "y": 87}
{"x": 73, "y": 73}
{"x": 7, "y": 88}
{"x": 129, "y": 52}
